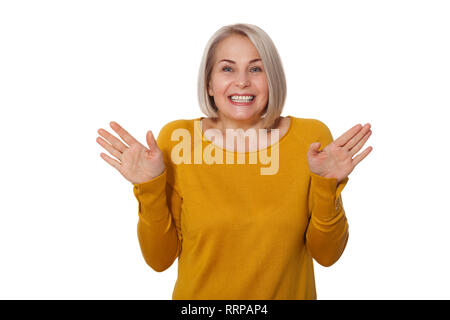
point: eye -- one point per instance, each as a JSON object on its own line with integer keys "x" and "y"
{"x": 226, "y": 68}
{"x": 256, "y": 68}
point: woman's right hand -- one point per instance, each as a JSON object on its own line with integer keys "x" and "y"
{"x": 136, "y": 162}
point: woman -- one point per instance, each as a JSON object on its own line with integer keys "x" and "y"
{"x": 239, "y": 232}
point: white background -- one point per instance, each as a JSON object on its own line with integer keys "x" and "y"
{"x": 68, "y": 219}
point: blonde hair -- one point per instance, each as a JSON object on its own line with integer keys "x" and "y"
{"x": 271, "y": 60}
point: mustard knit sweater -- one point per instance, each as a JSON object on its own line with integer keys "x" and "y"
{"x": 237, "y": 233}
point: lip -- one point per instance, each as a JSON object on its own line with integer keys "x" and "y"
{"x": 245, "y": 94}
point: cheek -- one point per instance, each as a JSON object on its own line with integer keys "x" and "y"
{"x": 263, "y": 86}
{"x": 220, "y": 84}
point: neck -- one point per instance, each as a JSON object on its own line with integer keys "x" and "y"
{"x": 222, "y": 123}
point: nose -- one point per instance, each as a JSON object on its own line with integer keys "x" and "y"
{"x": 242, "y": 81}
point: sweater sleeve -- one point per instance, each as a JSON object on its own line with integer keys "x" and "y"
{"x": 160, "y": 203}
{"x": 327, "y": 233}
{"x": 158, "y": 229}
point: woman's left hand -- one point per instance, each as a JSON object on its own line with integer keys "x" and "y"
{"x": 335, "y": 160}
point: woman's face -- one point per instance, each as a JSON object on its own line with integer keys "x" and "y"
{"x": 238, "y": 70}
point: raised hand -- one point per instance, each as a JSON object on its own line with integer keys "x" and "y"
{"x": 336, "y": 159}
{"x": 135, "y": 162}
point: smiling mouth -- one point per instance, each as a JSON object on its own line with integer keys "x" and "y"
{"x": 241, "y": 100}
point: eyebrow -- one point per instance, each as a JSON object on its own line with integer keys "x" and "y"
{"x": 231, "y": 61}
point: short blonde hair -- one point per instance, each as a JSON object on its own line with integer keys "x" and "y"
{"x": 271, "y": 60}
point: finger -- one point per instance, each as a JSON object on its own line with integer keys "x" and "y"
{"x": 110, "y": 148}
{"x": 151, "y": 142}
{"x": 128, "y": 138}
{"x": 343, "y": 139}
{"x": 116, "y": 143}
{"x": 357, "y": 138}
{"x": 111, "y": 161}
{"x": 360, "y": 144}
{"x": 361, "y": 156}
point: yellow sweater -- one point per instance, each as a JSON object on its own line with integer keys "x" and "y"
{"x": 239, "y": 234}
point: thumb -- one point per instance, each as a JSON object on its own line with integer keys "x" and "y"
{"x": 314, "y": 147}
{"x": 151, "y": 142}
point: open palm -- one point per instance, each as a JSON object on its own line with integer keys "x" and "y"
{"x": 134, "y": 161}
{"x": 336, "y": 159}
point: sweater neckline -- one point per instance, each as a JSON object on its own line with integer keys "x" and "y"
{"x": 198, "y": 124}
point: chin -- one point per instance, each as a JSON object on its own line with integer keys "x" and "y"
{"x": 242, "y": 113}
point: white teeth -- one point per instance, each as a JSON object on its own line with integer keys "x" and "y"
{"x": 242, "y": 98}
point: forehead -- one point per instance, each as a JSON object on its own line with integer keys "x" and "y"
{"x": 236, "y": 48}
